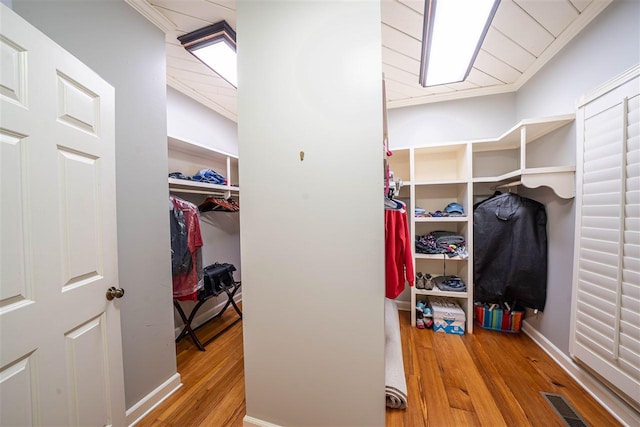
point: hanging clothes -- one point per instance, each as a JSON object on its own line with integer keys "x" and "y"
{"x": 510, "y": 251}
{"x": 398, "y": 258}
{"x": 186, "y": 241}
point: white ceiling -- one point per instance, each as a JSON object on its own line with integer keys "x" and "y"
{"x": 524, "y": 35}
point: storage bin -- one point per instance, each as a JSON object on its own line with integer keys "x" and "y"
{"x": 498, "y": 319}
{"x": 448, "y": 317}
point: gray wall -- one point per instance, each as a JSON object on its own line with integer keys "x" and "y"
{"x": 188, "y": 120}
{"x": 128, "y": 51}
{"x": 608, "y": 47}
{"x": 312, "y": 242}
{"x": 460, "y": 120}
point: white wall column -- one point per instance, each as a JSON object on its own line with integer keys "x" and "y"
{"x": 312, "y": 230}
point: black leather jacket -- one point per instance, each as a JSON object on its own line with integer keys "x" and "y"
{"x": 510, "y": 251}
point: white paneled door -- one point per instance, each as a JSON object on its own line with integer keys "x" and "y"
{"x": 60, "y": 353}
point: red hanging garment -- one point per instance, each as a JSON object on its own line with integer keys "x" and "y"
{"x": 185, "y": 285}
{"x": 398, "y": 258}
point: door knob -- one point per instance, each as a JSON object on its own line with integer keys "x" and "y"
{"x": 114, "y": 292}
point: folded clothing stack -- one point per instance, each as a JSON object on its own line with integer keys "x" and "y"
{"x": 450, "y": 283}
{"x": 210, "y": 177}
{"x": 441, "y": 242}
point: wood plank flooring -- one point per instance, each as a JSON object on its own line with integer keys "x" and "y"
{"x": 212, "y": 392}
{"x": 486, "y": 378}
{"x": 482, "y": 379}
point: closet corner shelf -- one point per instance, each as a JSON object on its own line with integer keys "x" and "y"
{"x": 435, "y": 292}
{"x": 534, "y": 129}
{"x": 184, "y": 186}
{"x": 561, "y": 179}
{"x": 439, "y": 257}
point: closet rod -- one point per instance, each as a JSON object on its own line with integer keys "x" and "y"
{"x": 508, "y": 185}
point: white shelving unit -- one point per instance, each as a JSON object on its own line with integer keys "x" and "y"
{"x": 439, "y": 174}
{"x": 189, "y": 158}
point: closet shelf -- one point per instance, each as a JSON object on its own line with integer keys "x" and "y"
{"x": 438, "y": 293}
{"x": 442, "y": 182}
{"x": 561, "y": 179}
{"x": 198, "y": 150}
{"x": 462, "y": 219}
{"x": 188, "y": 157}
{"x": 533, "y": 129}
{"x": 184, "y": 186}
{"x": 439, "y": 257}
{"x": 499, "y": 178}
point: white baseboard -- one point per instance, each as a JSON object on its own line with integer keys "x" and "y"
{"x": 138, "y": 411}
{"x": 607, "y": 398}
{"x": 204, "y": 315}
{"x": 404, "y": 305}
{"x": 254, "y": 422}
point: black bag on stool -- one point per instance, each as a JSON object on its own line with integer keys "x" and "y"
{"x": 217, "y": 277}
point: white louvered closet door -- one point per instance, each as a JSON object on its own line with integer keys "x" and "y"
{"x": 606, "y": 310}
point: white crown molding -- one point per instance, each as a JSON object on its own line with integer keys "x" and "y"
{"x": 151, "y": 13}
{"x": 190, "y": 92}
{"x": 452, "y": 96}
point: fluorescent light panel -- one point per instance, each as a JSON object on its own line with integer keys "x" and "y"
{"x": 215, "y": 46}
{"x": 453, "y": 33}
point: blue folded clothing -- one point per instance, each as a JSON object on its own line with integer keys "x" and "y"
{"x": 179, "y": 175}
{"x": 450, "y": 283}
{"x": 209, "y": 176}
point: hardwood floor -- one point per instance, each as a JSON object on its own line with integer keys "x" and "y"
{"x": 212, "y": 392}
{"x": 486, "y": 378}
{"x": 482, "y": 379}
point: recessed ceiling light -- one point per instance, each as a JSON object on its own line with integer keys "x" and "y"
{"x": 215, "y": 46}
{"x": 452, "y": 34}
